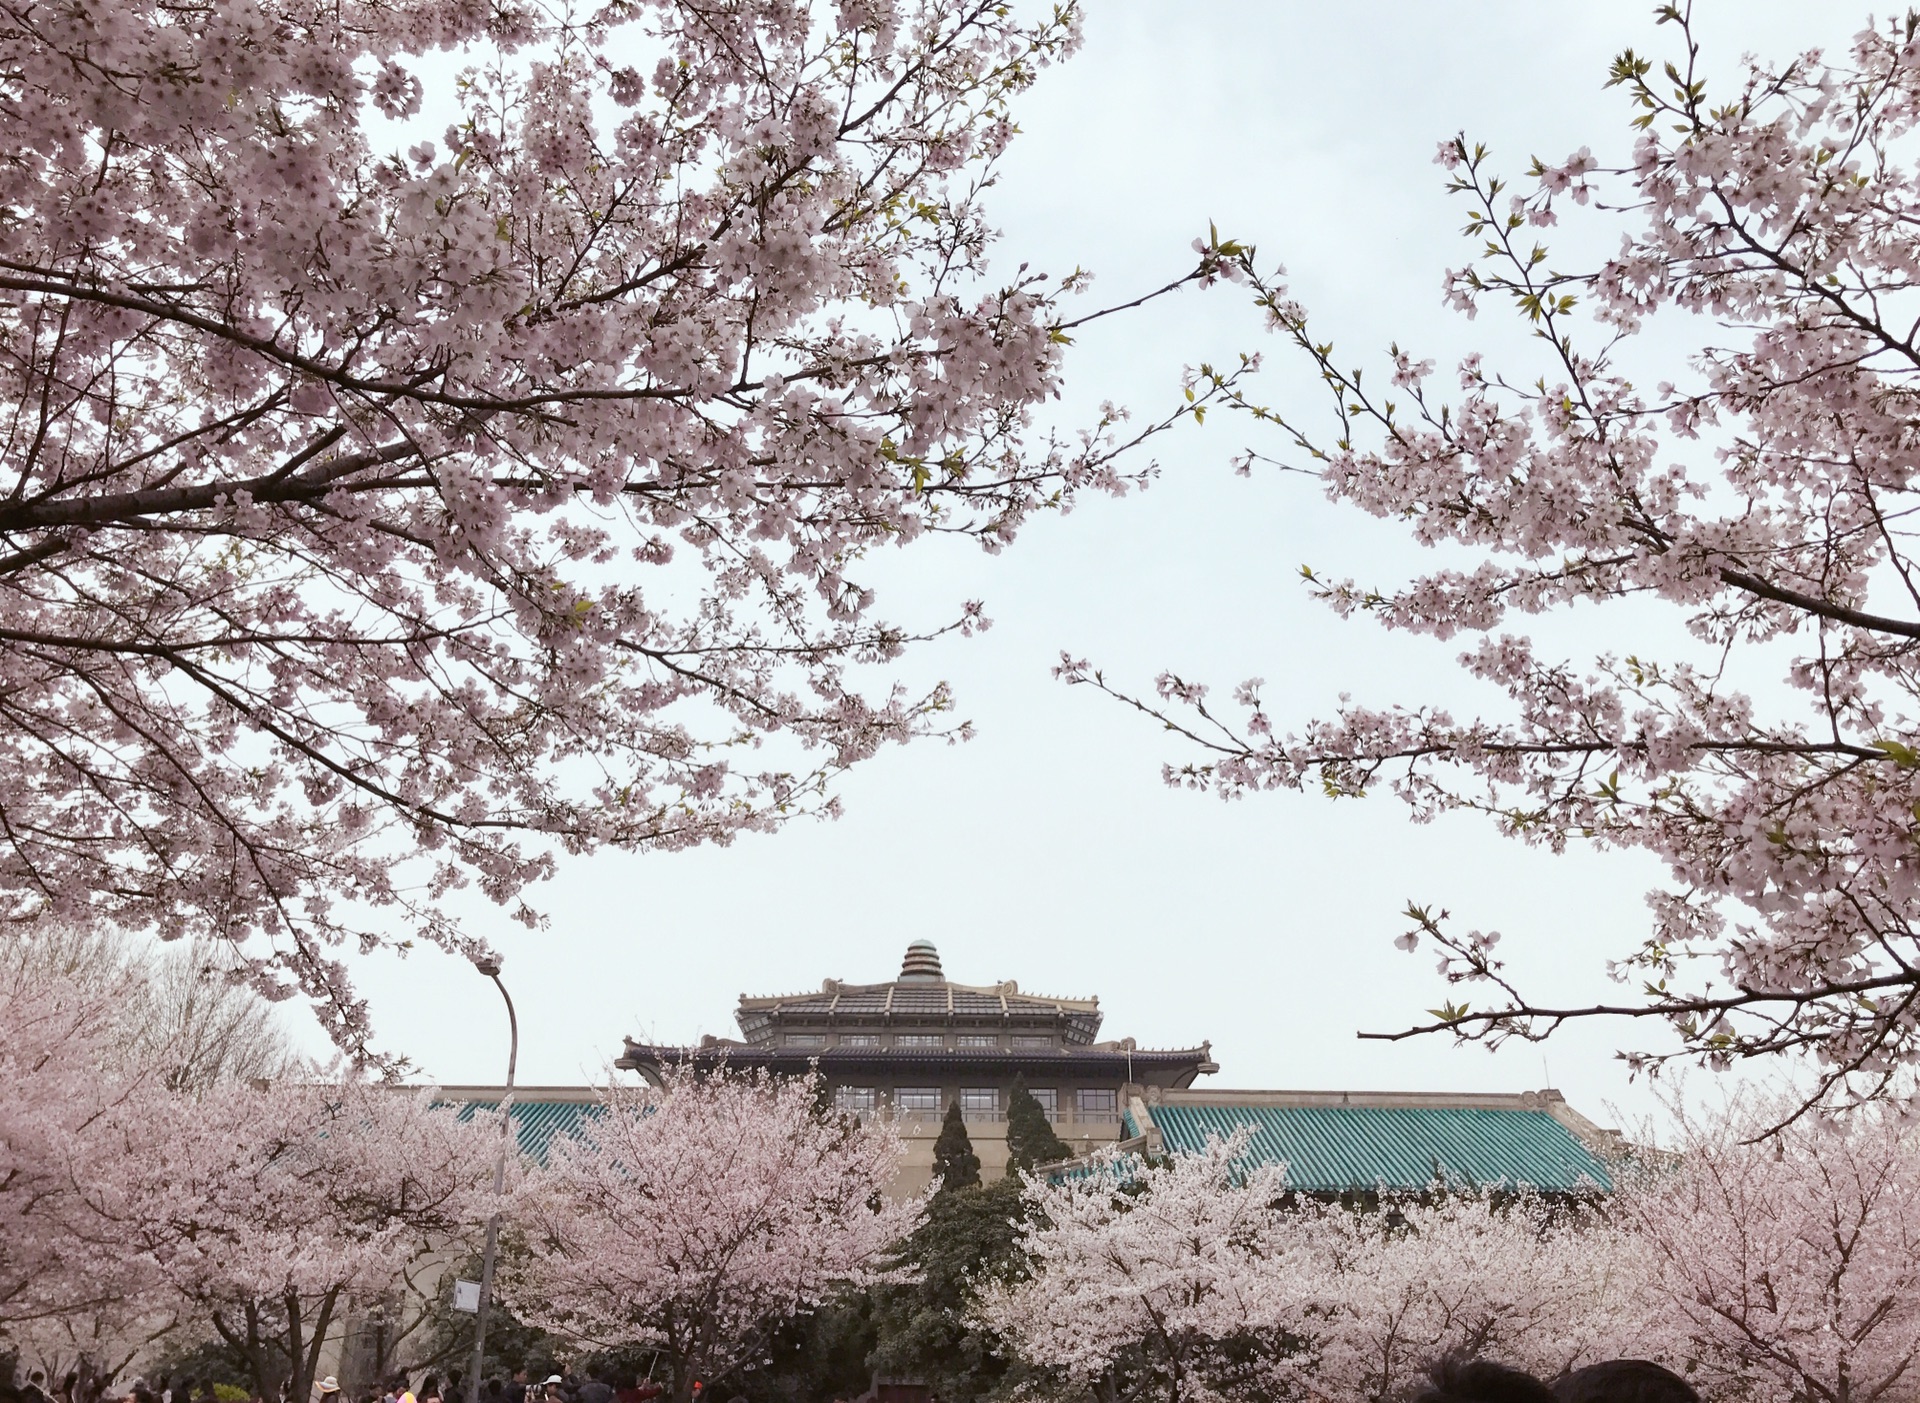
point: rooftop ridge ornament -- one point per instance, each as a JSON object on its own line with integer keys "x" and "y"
{"x": 922, "y": 962}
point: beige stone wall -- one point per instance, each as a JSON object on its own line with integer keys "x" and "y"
{"x": 990, "y": 1143}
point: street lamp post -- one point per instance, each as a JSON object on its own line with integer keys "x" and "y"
{"x": 491, "y": 968}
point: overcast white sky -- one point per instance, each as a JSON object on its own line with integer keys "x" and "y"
{"x": 1047, "y": 850}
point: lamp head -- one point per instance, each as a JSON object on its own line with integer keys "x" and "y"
{"x": 488, "y": 965}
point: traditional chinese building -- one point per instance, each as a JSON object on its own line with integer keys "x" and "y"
{"x": 911, "y": 1046}
{"x": 908, "y": 1048}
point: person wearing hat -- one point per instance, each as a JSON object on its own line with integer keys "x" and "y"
{"x": 329, "y": 1390}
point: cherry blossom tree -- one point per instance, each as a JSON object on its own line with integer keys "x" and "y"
{"x": 69, "y": 1302}
{"x": 182, "y": 1011}
{"x": 696, "y": 1217}
{"x": 385, "y": 521}
{"x": 1764, "y": 497}
{"x": 1789, "y": 1265}
{"x": 262, "y": 1213}
{"x": 55, "y": 1066}
{"x": 1201, "y": 1278}
{"x": 1545, "y": 1286}
{"x": 1158, "y": 1279}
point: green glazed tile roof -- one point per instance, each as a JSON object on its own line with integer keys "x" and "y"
{"x": 1330, "y": 1148}
{"x": 537, "y": 1123}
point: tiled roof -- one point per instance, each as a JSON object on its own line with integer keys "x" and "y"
{"x": 1332, "y": 1148}
{"x": 921, "y": 993}
{"x": 920, "y": 998}
{"x": 536, "y": 1123}
{"x": 918, "y": 1002}
{"x": 1106, "y": 1060}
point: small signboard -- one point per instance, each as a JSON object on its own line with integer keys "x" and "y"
{"x": 466, "y": 1296}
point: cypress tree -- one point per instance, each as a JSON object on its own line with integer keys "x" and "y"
{"x": 1030, "y": 1137}
{"x": 955, "y": 1165}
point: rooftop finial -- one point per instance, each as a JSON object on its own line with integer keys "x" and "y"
{"x": 922, "y": 962}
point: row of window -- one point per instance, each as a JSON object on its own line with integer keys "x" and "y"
{"x": 928, "y": 1042}
{"x": 975, "y": 1100}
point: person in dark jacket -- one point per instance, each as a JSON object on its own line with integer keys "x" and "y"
{"x": 595, "y": 1390}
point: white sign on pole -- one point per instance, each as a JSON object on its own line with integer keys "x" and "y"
{"x": 466, "y": 1296}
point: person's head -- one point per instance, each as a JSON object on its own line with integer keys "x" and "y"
{"x": 37, "y": 1377}
{"x": 1456, "y": 1380}
{"x": 520, "y": 1374}
{"x": 1624, "y": 1381}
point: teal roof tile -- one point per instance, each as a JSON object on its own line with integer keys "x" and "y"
{"x": 536, "y": 1124}
{"x": 1331, "y": 1148}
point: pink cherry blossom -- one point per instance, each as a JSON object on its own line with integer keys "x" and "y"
{"x": 1788, "y": 1264}
{"x": 131, "y": 1207}
{"x": 259, "y": 1215}
{"x": 57, "y": 1065}
{"x": 1200, "y": 1278}
{"x": 694, "y": 1218}
{"x": 381, "y": 524}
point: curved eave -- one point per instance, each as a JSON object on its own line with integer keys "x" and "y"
{"x": 1183, "y": 1064}
{"x": 813, "y": 1000}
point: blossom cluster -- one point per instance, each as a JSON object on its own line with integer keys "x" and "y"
{"x": 379, "y": 523}
{"x": 132, "y": 1209}
{"x": 276, "y": 1216}
{"x": 696, "y": 1217}
{"x": 1202, "y": 1278}
{"x": 1767, "y": 1267}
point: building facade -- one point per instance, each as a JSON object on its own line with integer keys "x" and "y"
{"x": 908, "y": 1048}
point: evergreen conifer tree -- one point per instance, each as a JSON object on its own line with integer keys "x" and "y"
{"x": 1030, "y": 1137}
{"x": 955, "y": 1165}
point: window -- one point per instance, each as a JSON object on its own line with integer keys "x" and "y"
{"x": 805, "y": 1040}
{"x": 980, "y": 1102}
{"x": 1049, "y": 1100}
{"x": 920, "y": 1040}
{"x": 1098, "y": 1103}
{"x": 977, "y": 1041}
{"x": 859, "y": 1040}
{"x": 1031, "y": 1042}
{"x": 917, "y": 1100}
{"x": 855, "y": 1098}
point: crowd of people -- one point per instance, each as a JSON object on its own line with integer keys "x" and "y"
{"x": 1451, "y": 1380}
{"x": 524, "y": 1385}
{"x": 547, "y": 1386}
